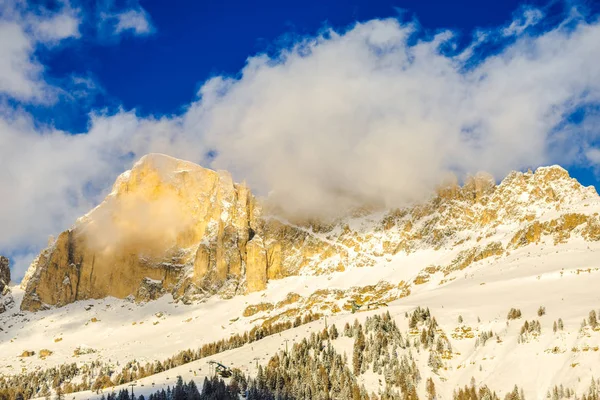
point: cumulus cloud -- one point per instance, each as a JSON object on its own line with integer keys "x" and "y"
{"x": 366, "y": 115}
{"x": 377, "y": 114}
{"x": 21, "y": 30}
{"x": 53, "y": 28}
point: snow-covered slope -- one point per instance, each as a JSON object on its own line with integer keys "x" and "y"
{"x": 474, "y": 252}
{"x": 565, "y": 281}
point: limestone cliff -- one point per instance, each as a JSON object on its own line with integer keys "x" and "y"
{"x": 168, "y": 225}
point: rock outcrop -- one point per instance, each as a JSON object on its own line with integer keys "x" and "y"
{"x": 171, "y": 226}
{"x": 6, "y": 299}
{"x": 4, "y": 273}
{"x": 168, "y": 225}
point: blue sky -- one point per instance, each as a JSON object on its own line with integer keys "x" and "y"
{"x": 318, "y": 103}
{"x": 195, "y": 40}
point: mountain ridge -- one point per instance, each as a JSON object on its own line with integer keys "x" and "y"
{"x": 214, "y": 238}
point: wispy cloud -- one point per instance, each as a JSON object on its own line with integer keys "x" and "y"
{"x": 527, "y": 18}
{"x": 134, "y": 20}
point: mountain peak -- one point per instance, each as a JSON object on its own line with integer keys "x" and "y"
{"x": 553, "y": 172}
{"x": 541, "y": 175}
{"x": 155, "y": 169}
{"x": 552, "y": 183}
{"x": 152, "y": 225}
{"x": 159, "y": 161}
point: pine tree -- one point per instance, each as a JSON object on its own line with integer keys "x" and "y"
{"x": 541, "y": 311}
{"x": 59, "y": 393}
{"x": 333, "y": 332}
{"x": 45, "y": 392}
{"x": 357, "y": 355}
{"x": 592, "y": 319}
{"x": 430, "y": 388}
{"x": 191, "y": 391}
{"x": 179, "y": 390}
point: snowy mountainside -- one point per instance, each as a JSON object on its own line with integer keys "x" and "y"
{"x": 474, "y": 251}
{"x": 527, "y": 279}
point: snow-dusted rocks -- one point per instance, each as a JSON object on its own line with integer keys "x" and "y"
{"x": 5, "y": 297}
{"x": 4, "y": 273}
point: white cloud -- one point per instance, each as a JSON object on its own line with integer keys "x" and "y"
{"x": 368, "y": 114}
{"x": 593, "y": 155}
{"x": 134, "y": 20}
{"x": 54, "y": 28}
{"x": 354, "y": 119}
{"x": 20, "y": 75}
{"x": 528, "y": 18}
{"x": 21, "y": 30}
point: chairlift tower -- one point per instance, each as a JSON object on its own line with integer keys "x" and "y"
{"x": 132, "y": 385}
{"x": 286, "y": 345}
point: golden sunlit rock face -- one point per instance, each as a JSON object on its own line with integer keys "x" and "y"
{"x": 161, "y": 217}
{"x": 171, "y": 226}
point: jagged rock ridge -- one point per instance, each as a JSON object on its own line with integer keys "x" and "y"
{"x": 172, "y": 226}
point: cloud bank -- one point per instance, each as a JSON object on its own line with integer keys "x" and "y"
{"x": 375, "y": 114}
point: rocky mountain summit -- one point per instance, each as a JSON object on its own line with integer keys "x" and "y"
{"x": 167, "y": 225}
{"x": 171, "y": 226}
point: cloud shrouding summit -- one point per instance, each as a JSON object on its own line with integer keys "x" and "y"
{"x": 373, "y": 114}
{"x": 364, "y": 115}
